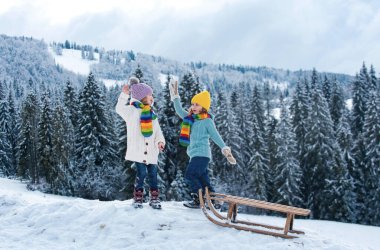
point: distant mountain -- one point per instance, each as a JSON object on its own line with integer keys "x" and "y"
{"x": 23, "y": 59}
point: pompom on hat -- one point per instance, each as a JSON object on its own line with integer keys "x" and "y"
{"x": 139, "y": 90}
{"x": 203, "y": 99}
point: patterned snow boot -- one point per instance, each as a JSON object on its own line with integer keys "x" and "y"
{"x": 154, "y": 199}
{"x": 138, "y": 198}
{"x": 194, "y": 203}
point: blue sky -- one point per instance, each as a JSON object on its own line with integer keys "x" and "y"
{"x": 330, "y": 35}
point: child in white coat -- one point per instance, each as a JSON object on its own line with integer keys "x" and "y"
{"x": 145, "y": 139}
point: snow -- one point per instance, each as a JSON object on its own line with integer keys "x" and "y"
{"x": 163, "y": 78}
{"x": 349, "y": 104}
{"x": 111, "y": 82}
{"x": 72, "y": 60}
{"x": 276, "y": 112}
{"x": 33, "y": 220}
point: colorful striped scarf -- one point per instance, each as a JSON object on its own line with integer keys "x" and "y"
{"x": 184, "y": 137}
{"x": 146, "y": 118}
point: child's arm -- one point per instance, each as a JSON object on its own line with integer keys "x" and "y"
{"x": 215, "y": 136}
{"x": 181, "y": 112}
{"x": 121, "y": 107}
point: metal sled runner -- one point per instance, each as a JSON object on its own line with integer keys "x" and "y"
{"x": 231, "y": 221}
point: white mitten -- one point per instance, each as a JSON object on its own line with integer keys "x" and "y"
{"x": 173, "y": 88}
{"x": 227, "y": 153}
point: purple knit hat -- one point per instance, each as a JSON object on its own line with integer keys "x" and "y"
{"x": 139, "y": 90}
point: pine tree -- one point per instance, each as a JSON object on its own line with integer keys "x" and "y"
{"x": 358, "y": 106}
{"x": 139, "y": 74}
{"x": 337, "y": 104}
{"x": 237, "y": 180}
{"x": 95, "y": 148}
{"x": 169, "y": 123}
{"x": 326, "y": 89}
{"x": 373, "y": 80}
{"x": 45, "y": 146}
{"x": 288, "y": 173}
{"x": 14, "y": 131}
{"x": 5, "y": 152}
{"x": 28, "y": 158}
{"x": 322, "y": 156}
{"x": 71, "y": 103}
{"x": 340, "y": 184}
{"x": 63, "y": 141}
{"x": 300, "y": 110}
{"x": 258, "y": 164}
{"x": 270, "y": 136}
{"x": 371, "y": 137}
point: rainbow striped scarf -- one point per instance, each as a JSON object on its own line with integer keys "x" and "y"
{"x": 146, "y": 118}
{"x": 184, "y": 137}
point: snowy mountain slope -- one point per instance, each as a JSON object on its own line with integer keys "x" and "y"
{"x": 33, "y": 220}
{"x": 72, "y": 60}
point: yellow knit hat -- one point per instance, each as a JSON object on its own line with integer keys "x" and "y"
{"x": 202, "y": 99}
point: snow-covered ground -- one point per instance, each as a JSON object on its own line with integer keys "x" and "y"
{"x": 72, "y": 60}
{"x": 33, "y": 220}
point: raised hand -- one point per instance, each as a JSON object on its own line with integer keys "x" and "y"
{"x": 173, "y": 87}
{"x": 126, "y": 89}
{"x": 230, "y": 158}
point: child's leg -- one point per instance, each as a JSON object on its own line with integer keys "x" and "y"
{"x": 152, "y": 174}
{"x": 140, "y": 176}
{"x": 206, "y": 181}
{"x": 194, "y": 172}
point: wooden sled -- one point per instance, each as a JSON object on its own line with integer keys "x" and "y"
{"x": 231, "y": 221}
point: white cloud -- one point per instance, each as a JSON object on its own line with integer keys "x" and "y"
{"x": 334, "y": 35}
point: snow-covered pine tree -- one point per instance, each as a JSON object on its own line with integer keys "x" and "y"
{"x": 139, "y": 74}
{"x": 63, "y": 150}
{"x": 361, "y": 173}
{"x": 345, "y": 141}
{"x": 322, "y": 155}
{"x": 28, "y": 167}
{"x": 373, "y": 80}
{"x": 287, "y": 181}
{"x": 358, "y": 106}
{"x": 258, "y": 164}
{"x": 14, "y": 131}
{"x": 337, "y": 104}
{"x": 95, "y": 147}
{"x": 45, "y": 146}
{"x": 237, "y": 179}
{"x": 300, "y": 110}
{"x": 71, "y": 103}
{"x": 6, "y": 167}
{"x": 371, "y": 135}
{"x": 169, "y": 123}
{"x": 326, "y": 89}
{"x": 222, "y": 170}
{"x": 270, "y": 138}
{"x": 340, "y": 184}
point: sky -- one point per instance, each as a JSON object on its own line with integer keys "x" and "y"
{"x": 329, "y": 35}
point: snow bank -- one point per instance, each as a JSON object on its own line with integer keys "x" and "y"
{"x": 33, "y": 220}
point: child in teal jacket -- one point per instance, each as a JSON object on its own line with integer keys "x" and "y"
{"x": 196, "y": 129}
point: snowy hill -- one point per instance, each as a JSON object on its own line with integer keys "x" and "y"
{"x": 33, "y": 220}
{"x": 72, "y": 60}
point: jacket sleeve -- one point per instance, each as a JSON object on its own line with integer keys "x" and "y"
{"x": 214, "y": 134}
{"x": 181, "y": 112}
{"x": 159, "y": 137}
{"x": 121, "y": 106}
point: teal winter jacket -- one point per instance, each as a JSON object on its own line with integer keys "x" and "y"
{"x": 200, "y": 133}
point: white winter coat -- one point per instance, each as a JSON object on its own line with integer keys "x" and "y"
{"x": 139, "y": 148}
